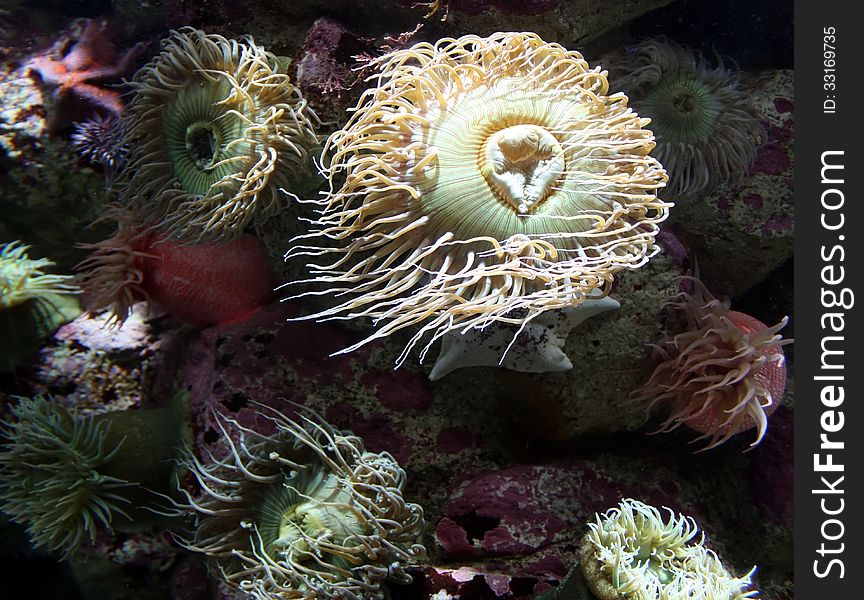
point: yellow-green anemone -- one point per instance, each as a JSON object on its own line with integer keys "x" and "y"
{"x": 66, "y": 478}
{"x": 33, "y": 303}
{"x": 631, "y": 552}
{"x": 215, "y": 129}
{"x": 23, "y": 278}
{"x": 303, "y": 512}
{"x": 482, "y": 180}
{"x": 706, "y": 127}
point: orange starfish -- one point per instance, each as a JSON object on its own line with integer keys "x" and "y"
{"x": 82, "y": 57}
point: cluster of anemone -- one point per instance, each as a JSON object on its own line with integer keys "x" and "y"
{"x": 23, "y": 279}
{"x": 706, "y": 127}
{"x": 481, "y": 180}
{"x": 723, "y": 374}
{"x": 50, "y": 475}
{"x": 631, "y": 552}
{"x": 303, "y": 512}
{"x": 214, "y": 130}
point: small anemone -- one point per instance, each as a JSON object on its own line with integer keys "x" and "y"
{"x": 33, "y": 304}
{"x": 706, "y": 128}
{"x": 303, "y": 512}
{"x": 50, "y": 479}
{"x": 111, "y": 277}
{"x": 633, "y": 552}
{"x": 215, "y": 129}
{"x": 724, "y": 374}
{"x": 23, "y": 279}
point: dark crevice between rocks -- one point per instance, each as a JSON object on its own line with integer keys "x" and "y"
{"x": 475, "y": 525}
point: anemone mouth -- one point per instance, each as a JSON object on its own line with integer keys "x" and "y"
{"x": 480, "y": 179}
{"x": 307, "y": 507}
{"x": 214, "y": 130}
{"x": 203, "y": 141}
{"x": 203, "y": 146}
{"x": 683, "y": 110}
{"x": 521, "y": 164}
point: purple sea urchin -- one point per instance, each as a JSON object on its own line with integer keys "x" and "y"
{"x": 304, "y": 512}
{"x": 100, "y": 140}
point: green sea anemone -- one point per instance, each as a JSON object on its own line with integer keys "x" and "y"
{"x": 214, "y": 130}
{"x": 482, "y": 180}
{"x": 32, "y": 303}
{"x": 303, "y": 512}
{"x": 23, "y": 279}
{"x": 66, "y": 478}
{"x": 707, "y": 130}
{"x": 632, "y": 553}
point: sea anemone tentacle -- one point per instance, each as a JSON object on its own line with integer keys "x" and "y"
{"x": 480, "y": 179}
{"x": 302, "y": 512}
{"x": 215, "y": 128}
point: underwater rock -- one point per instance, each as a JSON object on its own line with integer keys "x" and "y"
{"x": 740, "y": 233}
{"x": 508, "y": 7}
{"x": 47, "y": 199}
{"x": 273, "y": 363}
{"x": 448, "y": 583}
{"x": 526, "y": 520}
{"x": 142, "y": 563}
{"x": 96, "y": 368}
{"x": 189, "y": 580}
{"x": 327, "y": 68}
{"x": 609, "y": 354}
{"x": 523, "y": 509}
{"x": 578, "y": 21}
{"x": 771, "y": 474}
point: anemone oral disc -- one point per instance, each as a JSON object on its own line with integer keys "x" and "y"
{"x": 521, "y": 164}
